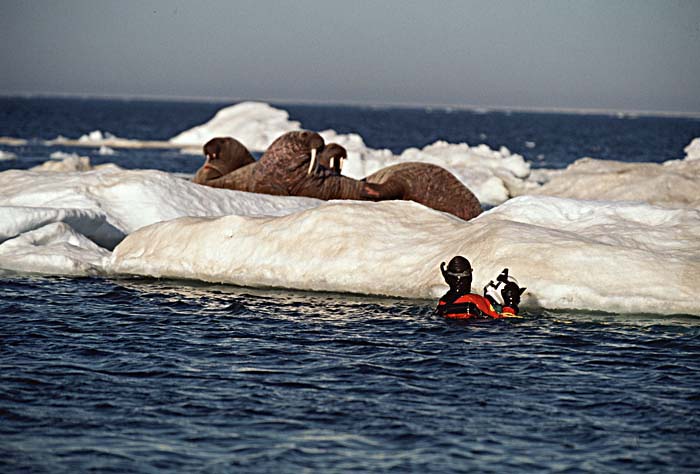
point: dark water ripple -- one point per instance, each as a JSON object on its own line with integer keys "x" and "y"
{"x": 144, "y": 376}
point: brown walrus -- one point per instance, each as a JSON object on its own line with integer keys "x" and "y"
{"x": 300, "y": 164}
{"x": 430, "y": 185}
{"x": 224, "y": 155}
{"x": 330, "y": 160}
{"x": 425, "y": 183}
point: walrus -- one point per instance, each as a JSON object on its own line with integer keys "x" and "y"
{"x": 290, "y": 167}
{"x": 430, "y": 185}
{"x": 330, "y": 160}
{"x": 426, "y": 183}
{"x": 228, "y": 165}
{"x": 300, "y": 164}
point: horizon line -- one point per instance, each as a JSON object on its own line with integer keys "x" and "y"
{"x": 631, "y": 113}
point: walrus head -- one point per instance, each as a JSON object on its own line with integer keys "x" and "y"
{"x": 330, "y": 160}
{"x": 291, "y": 158}
{"x": 223, "y": 155}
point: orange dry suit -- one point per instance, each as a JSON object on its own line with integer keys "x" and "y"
{"x": 471, "y": 305}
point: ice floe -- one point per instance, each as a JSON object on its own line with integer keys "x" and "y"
{"x": 569, "y": 253}
{"x": 674, "y": 183}
{"x": 254, "y": 124}
{"x": 599, "y": 235}
{"x": 7, "y": 155}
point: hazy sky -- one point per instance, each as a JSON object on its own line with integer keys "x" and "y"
{"x": 637, "y": 54}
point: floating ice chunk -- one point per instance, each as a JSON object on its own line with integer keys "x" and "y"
{"x": 105, "y": 150}
{"x": 100, "y": 139}
{"x": 11, "y": 141}
{"x": 96, "y": 136}
{"x": 61, "y": 155}
{"x": 54, "y": 249}
{"x": 7, "y": 155}
{"x": 61, "y": 161}
{"x": 692, "y": 151}
{"x": 671, "y": 184}
{"x": 256, "y": 125}
{"x": 570, "y": 254}
{"x": 64, "y": 162}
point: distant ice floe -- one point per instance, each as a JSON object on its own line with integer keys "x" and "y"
{"x": 96, "y": 136}
{"x": 254, "y": 124}
{"x": 11, "y": 141}
{"x": 600, "y": 255}
{"x": 692, "y": 151}
{"x": 61, "y": 162}
{"x": 105, "y": 150}
{"x": 672, "y": 184}
{"x": 106, "y": 140}
{"x": 7, "y": 156}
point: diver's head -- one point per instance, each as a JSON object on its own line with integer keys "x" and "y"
{"x": 458, "y": 274}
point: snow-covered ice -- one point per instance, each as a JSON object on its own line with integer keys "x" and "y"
{"x": 254, "y": 124}
{"x": 675, "y": 183}
{"x": 569, "y": 253}
{"x": 599, "y": 235}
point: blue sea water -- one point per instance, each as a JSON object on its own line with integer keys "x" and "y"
{"x": 141, "y": 375}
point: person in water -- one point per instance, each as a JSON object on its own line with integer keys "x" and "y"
{"x": 500, "y": 300}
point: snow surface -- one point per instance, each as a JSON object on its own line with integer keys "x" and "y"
{"x": 569, "y": 253}
{"x": 103, "y": 206}
{"x": 598, "y": 235}
{"x": 674, "y": 183}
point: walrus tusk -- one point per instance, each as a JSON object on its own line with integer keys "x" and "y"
{"x": 312, "y": 165}
{"x": 340, "y": 164}
{"x": 332, "y": 162}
